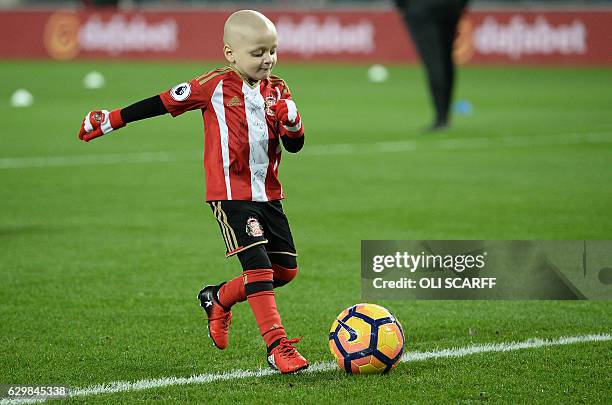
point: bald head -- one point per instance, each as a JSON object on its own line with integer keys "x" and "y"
{"x": 249, "y": 44}
{"x": 244, "y": 25}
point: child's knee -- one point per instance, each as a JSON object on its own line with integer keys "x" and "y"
{"x": 257, "y": 271}
{"x": 284, "y": 275}
{"x": 256, "y": 265}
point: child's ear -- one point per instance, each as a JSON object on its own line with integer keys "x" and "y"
{"x": 228, "y": 53}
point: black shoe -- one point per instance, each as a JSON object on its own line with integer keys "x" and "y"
{"x": 219, "y": 319}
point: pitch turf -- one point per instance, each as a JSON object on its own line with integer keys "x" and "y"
{"x": 101, "y": 262}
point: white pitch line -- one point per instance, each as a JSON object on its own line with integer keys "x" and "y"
{"x": 425, "y": 144}
{"x": 125, "y": 386}
{"x": 462, "y": 143}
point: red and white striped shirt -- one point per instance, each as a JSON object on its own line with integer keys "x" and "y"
{"x": 242, "y": 149}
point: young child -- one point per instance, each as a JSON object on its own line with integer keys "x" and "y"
{"x": 248, "y": 113}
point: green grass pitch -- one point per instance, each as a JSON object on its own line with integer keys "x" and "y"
{"x": 100, "y": 262}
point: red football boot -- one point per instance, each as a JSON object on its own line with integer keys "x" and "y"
{"x": 219, "y": 320}
{"x": 285, "y": 357}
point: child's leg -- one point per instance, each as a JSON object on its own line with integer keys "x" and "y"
{"x": 255, "y": 285}
{"x": 285, "y": 269}
{"x": 258, "y": 279}
{"x": 280, "y": 247}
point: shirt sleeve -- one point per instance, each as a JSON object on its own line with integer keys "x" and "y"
{"x": 280, "y": 87}
{"x": 185, "y": 97}
{"x": 284, "y": 90}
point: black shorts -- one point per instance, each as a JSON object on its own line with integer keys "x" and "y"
{"x": 245, "y": 224}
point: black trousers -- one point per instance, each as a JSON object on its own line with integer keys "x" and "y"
{"x": 433, "y": 32}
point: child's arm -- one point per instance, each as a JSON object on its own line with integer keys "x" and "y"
{"x": 183, "y": 97}
{"x": 292, "y": 133}
{"x": 101, "y": 122}
{"x": 292, "y": 145}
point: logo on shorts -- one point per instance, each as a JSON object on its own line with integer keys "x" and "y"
{"x": 181, "y": 92}
{"x": 253, "y": 228}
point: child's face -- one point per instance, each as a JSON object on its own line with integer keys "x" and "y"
{"x": 255, "y": 56}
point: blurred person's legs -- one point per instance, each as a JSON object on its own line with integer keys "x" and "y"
{"x": 428, "y": 41}
{"x": 448, "y": 32}
{"x": 433, "y": 28}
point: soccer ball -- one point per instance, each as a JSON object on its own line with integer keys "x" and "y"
{"x": 366, "y": 339}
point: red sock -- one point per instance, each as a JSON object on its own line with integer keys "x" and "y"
{"x": 260, "y": 294}
{"x": 232, "y": 292}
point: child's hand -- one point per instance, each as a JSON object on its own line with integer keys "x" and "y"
{"x": 100, "y": 122}
{"x": 287, "y": 114}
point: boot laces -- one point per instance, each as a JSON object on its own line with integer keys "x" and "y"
{"x": 225, "y": 317}
{"x": 286, "y": 348}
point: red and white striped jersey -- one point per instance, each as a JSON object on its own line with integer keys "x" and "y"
{"x": 242, "y": 148}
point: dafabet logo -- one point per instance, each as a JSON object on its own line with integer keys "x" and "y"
{"x": 61, "y": 35}
{"x": 67, "y": 34}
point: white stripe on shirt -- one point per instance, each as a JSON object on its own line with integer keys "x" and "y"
{"x": 254, "y": 106}
{"x": 218, "y": 105}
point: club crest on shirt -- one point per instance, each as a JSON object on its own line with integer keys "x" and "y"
{"x": 253, "y": 228}
{"x": 181, "y": 91}
{"x": 270, "y": 101}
